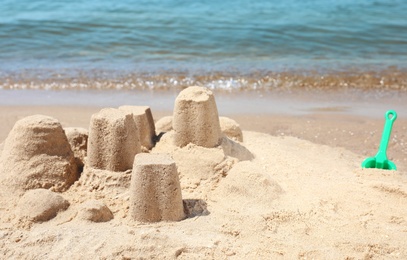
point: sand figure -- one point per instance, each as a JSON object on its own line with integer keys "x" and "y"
{"x": 196, "y": 118}
{"x": 155, "y": 191}
{"x": 113, "y": 140}
{"x": 78, "y": 139}
{"x": 145, "y": 124}
{"x": 37, "y": 155}
{"x": 40, "y": 205}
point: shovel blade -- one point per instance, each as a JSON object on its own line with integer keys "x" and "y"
{"x": 371, "y": 162}
{"x": 391, "y": 165}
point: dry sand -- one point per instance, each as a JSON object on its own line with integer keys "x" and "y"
{"x": 302, "y": 196}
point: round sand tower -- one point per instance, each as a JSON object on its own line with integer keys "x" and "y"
{"x": 37, "y": 154}
{"x": 196, "y": 118}
{"x": 155, "y": 191}
{"x": 113, "y": 140}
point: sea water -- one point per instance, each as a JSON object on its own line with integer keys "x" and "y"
{"x": 225, "y": 44}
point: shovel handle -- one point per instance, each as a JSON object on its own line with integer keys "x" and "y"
{"x": 390, "y": 117}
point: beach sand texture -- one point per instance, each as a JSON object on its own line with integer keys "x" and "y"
{"x": 272, "y": 196}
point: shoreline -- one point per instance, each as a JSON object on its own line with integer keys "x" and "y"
{"x": 228, "y": 79}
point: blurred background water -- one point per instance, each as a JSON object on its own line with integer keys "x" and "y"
{"x": 208, "y": 35}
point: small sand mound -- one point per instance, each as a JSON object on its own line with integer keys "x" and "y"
{"x": 231, "y": 128}
{"x": 78, "y": 139}
{"x": 40, "y": 205}
{"x": 199, "y": 168}
{"x": 37, "y": 155}
{"x": 163, "y": 125}
{"x": 247, "y": 186}
{"x": 95, "y": 211}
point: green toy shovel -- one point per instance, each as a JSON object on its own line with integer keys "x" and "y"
{"x": 380, "y": 161}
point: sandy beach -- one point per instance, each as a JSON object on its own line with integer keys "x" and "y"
{"x": 203, "y": 129}
{"x": 301, "y": 195}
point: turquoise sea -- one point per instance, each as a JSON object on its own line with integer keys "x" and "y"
{"x": 225, "y": 44}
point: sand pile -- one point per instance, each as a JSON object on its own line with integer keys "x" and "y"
{"x": 247, "y": 186}
{"x": 40, "y": 205}
{"x": 201, "y": 168}
{"x": 95, "y": 211}
{"x": 264, "y": 198}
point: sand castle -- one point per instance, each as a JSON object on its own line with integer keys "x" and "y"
{"x": 196, "y": 118}
{"x": 155, "y": 189}
{"x": 113, "y": 140}
{"x": 39, "y": 153}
